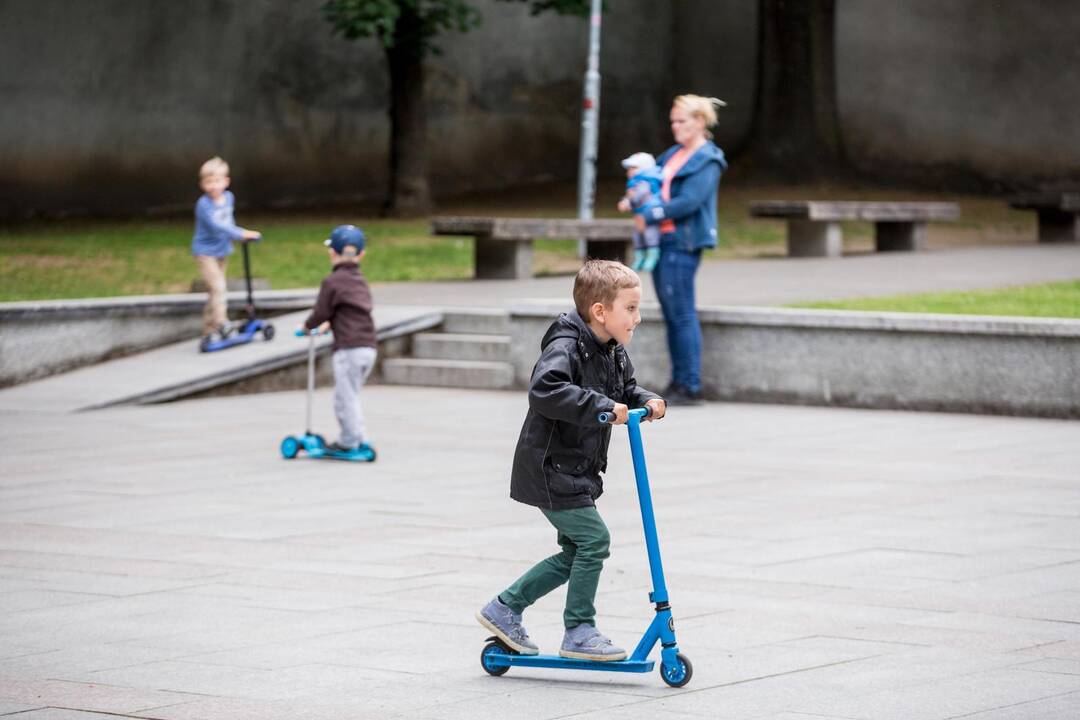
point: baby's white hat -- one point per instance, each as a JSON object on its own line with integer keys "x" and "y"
{"x": 639, "y": 160}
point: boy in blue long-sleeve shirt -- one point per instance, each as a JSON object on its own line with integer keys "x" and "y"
{"x": 211, "y": 245}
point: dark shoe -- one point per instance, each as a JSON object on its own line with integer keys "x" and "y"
{"x": 338, "y": 447}
{"x": 506, "y": 624}
{"x": 681, "y": 396}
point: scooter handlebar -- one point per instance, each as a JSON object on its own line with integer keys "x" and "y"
{"x": 641, "y": 413}
{"x": 315, "y": 331}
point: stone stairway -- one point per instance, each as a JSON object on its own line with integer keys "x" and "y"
{"x": 470, "y": 350}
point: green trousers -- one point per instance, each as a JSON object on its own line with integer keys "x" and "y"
{"x": 584, "y": 539}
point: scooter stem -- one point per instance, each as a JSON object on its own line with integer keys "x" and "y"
{"x": 310, "y": 380}
{"x": 247, "y": 278}
{"x": 648, "y": 519}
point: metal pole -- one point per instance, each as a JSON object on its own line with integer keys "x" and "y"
{"x": 589, "y": 122}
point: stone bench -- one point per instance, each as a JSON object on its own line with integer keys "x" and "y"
{"x": 1059, "y": 214}
{"x": 504, "y": 245}
{"x": 813, "y": 228}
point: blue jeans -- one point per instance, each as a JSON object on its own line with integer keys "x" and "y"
{"x": 674, "y": 282}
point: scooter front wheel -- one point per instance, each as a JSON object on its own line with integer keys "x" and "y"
{"x": 290, "y": 446}
{"x": 679, "y": 674}
{"x": 488, "y": 654}
{"x": 268, "y": 332}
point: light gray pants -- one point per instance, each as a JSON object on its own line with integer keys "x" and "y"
{"x": 351, "y": 368}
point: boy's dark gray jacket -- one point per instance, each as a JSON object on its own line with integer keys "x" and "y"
{"x": 563, "y": 448}
{"x": 345, "y": 300}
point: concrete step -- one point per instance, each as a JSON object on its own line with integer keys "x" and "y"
{"x": 457, "y": 346}
{"x": 448, "y": 373}
{"x": 477, "y": 321}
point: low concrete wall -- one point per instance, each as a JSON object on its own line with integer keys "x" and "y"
{"x": 289, "y": 372}
{"x": 1011, "y": 366}
{"x": 38, "y": 339}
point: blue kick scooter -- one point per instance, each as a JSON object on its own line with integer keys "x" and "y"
{"x": 675, "y": 669}
{"x": 312, "y": 443}
{"x": 251, "y": 327}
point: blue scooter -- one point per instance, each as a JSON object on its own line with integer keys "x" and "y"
{"x": 251, "y": 327}
{"x": 313, "y": 444}
{"x": 675, "y": 669}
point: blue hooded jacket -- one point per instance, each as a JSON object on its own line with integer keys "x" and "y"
{"x": 693, "y": 197}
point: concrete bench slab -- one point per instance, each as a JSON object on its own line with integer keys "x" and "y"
{"x": 813, "y": 228}
{"x": 1059, "y": 213}
{"x": 503, "y": 248}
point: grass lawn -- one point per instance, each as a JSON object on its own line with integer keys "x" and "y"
{"x": 1057, "y": 299}
{"x": 91, "y": 258}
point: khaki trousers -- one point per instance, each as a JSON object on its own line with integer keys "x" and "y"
{"x": 212, "y": 270}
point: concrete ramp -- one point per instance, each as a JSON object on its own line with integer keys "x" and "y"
{"x": 180, "y": 370}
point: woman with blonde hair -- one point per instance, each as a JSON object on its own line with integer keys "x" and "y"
{"x": 686, "y": 215}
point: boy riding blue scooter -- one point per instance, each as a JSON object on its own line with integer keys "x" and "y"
{"x": 583, "y": 373}
{"x": 344, "y": 305}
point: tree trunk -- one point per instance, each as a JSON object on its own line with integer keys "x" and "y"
{"x": 796, "y": 131}
{"x": 410, "y": 193}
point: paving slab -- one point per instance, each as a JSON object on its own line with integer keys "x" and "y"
{"x": 822, "y": 563}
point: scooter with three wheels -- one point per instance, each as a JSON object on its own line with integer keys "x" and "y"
{"x": 313, "y": 444}
{"x": 675, "y": 669}
{"x": 252, "y": 325}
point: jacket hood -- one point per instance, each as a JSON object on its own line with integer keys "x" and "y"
{"x": 570, "y": 325}
{"x": 707, "y": 153}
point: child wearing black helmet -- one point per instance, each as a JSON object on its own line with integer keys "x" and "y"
{"x": 344, "y": 305}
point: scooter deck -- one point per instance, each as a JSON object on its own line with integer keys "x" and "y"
{"x": 314, "y": 446}
{"x": 557, "y": 661}
{"x": 242, "y": 337}
{"x": 233, "y": 341}
{"x": 319, "y": 454}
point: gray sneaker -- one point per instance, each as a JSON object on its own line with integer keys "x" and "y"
{"x": 506, "y": 624}
{"x": 585, "y": 642}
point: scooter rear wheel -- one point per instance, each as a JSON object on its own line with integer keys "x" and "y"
{"x": 486, "y": 655}
{"x": 679, "y": 674}
{"x": 268, "y": 332}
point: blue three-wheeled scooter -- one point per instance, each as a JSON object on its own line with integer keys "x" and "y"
{"x": 252, "y": 325}
{"x": 312, "y": 443}
{"x": 675, "y": 669}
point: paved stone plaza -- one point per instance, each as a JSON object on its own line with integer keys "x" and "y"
{"x": 164, "y": 562}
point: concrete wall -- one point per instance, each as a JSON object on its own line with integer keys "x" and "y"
{"x": 38, "y": 339}
{"x": 715, "y": 46}
{"x": 110, "y": 106}
{"x": 986, "y": 91}
{"x": 1021, "y": 366}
